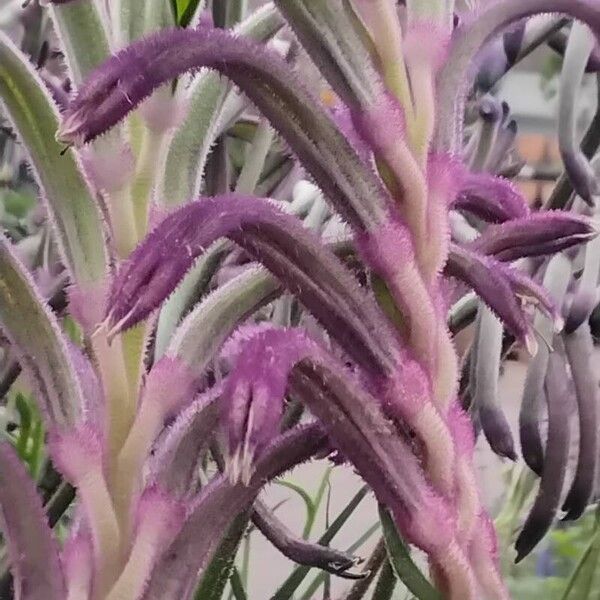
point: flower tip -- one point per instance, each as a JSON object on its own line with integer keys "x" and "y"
{"x": 70, "y": 130}
{"x": 240, "y": 466}
{"x": 520, "y": 556}
{"x": 115, "y": 326}
{"x": 571, "y": 516}
{"x": 559, "y": 324}
{"x": 531, "y": 344}
{"x": 342, "y": 568}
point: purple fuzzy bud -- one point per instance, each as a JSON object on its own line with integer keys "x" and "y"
{"x": 535, "y": 235}
{"x": 253, "y": 395}
{"x": 496, "y": 284}
{"x": 124, "y": 81}
{"x": 493, "y": 199}
{"x": 253, "y": 398}
{"x": 293, "y": 254}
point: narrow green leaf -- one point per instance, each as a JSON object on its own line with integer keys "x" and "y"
{"x": 308, "y": 502}
{"x": 404, "y": 566}
{"x": 37, "y": 340}
{"x": 320, "y": 579}
{"x": 190, "y": 290}
{"x": 73, "y": 209}
{"x": 291, "y": 584}
{"x": 237, "y": 586}
{"x": 384, "y": 588}
{"x": 175, "y": 10}
{"x": 328, "y": 35}
{"x": 218, "y": 572}
{"x": 186, "y": 12}
{"x": 24, "y": 411}
{"x": 207, "y": 327}
{"x": 255, "y": 159}
{"x": 36, "y": 452}
{"x": 316, "y": 501}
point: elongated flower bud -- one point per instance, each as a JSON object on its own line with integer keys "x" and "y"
{"x": 547, "y": 501}
{"x": 491, "y": 198}
{"x": 537, "y": 234}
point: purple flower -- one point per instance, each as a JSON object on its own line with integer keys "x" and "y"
{"x": 535, "y": 235}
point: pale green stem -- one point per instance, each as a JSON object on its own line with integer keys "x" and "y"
{"x": 142, "y": 558}
{"x": 412, "y": 296}
{"x": 407, "y": 173}
{"x": 255, "y": 159}
{"x": 381, "y": 19}
{"x": 423, "y": 93}
{"x": 122, "y": 222}
{"x": 445, "y": 376}
{"x": 96, "y": 499}
{"x": 120, "y": 406}
{"x": 128, "y": 477}
{"x": 152, "y": 146}
{"x": 135, "y": 341}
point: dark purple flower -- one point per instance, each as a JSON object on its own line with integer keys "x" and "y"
{"x": 538, "y": 234}
{"x": 493, "y": 199}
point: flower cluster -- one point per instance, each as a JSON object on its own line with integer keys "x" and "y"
{"x": 336, "y": 302}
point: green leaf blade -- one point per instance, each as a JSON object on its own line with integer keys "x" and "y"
{"x": 73, "y": 209}
{"x": 405, "y": 568}
{"x": 38, "y": 343}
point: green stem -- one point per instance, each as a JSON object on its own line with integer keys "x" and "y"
{"x": 151, "y": 146}
{"x": 255, "y": 159}
{"x": 384, "y": 589}
{"x": 381, "y": 20}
